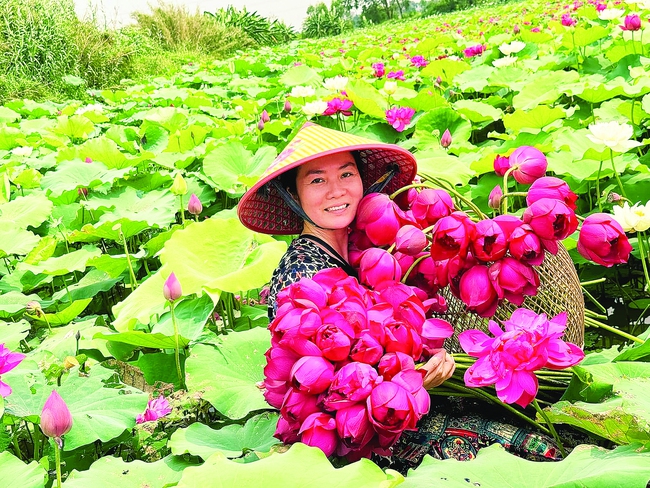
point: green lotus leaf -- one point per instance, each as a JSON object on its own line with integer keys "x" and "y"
{"x": 62, "y": 265}
{"x": 108, "y": 230}
{"x": 144, "y": 339}
{"x": 367, "y": 98}
{"x": 637, "y": 351}
{"x": 444, "y": 166}
{"x": 477, "y": 111}
{"x": 227, "y": 374}
{"x": 16, "y": 474}
{"x": 157, "y": 207}
{"x": 279, "y": 471}
{"x": 447, "y": 69}
{"x": 536, "y": 118}
{"x": 29, "y": 211}
{"x": 113, "y": 472}
{"x": 16, "y": 240}
{"x": 425, "y": 101}
{"x": 77, "y": 126}
{"x": 232, "y": 167}
{"x": 232, "y": 440}
{"x": 11, "y": 333}
{"x": 543, "y": 88}
{"x": 583, "y": 36}
{"x": 9, "y": 137}
{"x": 191, "y": 316}
{"x": 64, "y": 316}
{"x": 589, "y": 466}
{"x": 8, "y": 115}
{"x": 13, "y": 302}
{"x": 105, "y": 151}
{"x": 475, "y": 79}
{"x": 29, "y": 178}
{"x": 300, "y": 75}
{"x": 70, "y": 175}
{"x": 93, "y": 282}
{"x": 185, "y": 139}
{"x": 171, "y": 118}
{"x": 442, "y": 119}
{"x": 155, "y": 367}
{"x": 62, "y": 342}
{"x": 154, "y": 138}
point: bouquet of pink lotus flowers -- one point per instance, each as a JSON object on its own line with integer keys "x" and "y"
{"x": 341, "y": 367}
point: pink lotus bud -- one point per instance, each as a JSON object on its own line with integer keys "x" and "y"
{"x": 434, "y": 333}
{"x": 410, "y": 240}
{"x": 376, "y": 266}
{"x": 393, "y": 362}
{"x": 312, "y": 374}
{"x": 82, "y": 192}
{"x": 287, "y": 106}
{"x": 568, "y": 21}
{"x": 391, "y": 410}
{"x": 287, "y": 431}
{"x": 402, "y": 337}
{"x": 494, "y": 200}
{"x": 56, "y": 419}
{"x": 335, "y": 336}
{"x": 451, "y": 236}
{"x": 354, "y": 428}
{"x": 530, "y": 164}
{"x": 516, "y": 29}
{"x": 367, "y": 349}
{"x": 319, "y": 430}
{"x": 431, "y": 205}
{"x": 88, "y": 160}
{"x": 551, "y": 187}
{"x": 194, "y": 205}
{"x": 265, "y": 116}
{"x": 298, "y": 405}
{"x": 551, "y": 219}
{"x": 525, "y": 246}
{"x": 501, "y": 165}
{"x": 32, "y": 308}
{"x": 631, "y": 23}
{"x": 477, "y": 292}
{"x": 156, "y": 408}
{"x": 379, "y": 217}
{"x": 379, "y": 69}
{"x": 412, "y": 381}
{"x": 172, "y": 288}
{"x": 514, "y": 280}
{"x": 603, "y": 241}
{"x": 438, "y": 80}
{"x": 260, "y": 125}
{"x": 445, "y": 140}
{"x": 351, "y": 384}
{"x": 508, "y": 223}
{"x": 489, "y": 242}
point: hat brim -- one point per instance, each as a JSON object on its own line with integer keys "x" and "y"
{"x": 261, "y": 209}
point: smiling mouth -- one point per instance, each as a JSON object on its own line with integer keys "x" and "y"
{"x": 337, "y": 208}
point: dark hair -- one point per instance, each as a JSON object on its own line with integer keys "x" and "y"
{"x": 288, "y": 178}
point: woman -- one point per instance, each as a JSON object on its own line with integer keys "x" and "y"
{"x": 313, "y": 189}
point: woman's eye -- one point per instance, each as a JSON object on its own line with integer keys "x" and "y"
{"x": 317, "y": 180}
{"x": 347, "y": 174}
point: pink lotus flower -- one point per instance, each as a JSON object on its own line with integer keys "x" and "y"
{"x": 434, "y": 333}
{"x": 298, "y": 405}
{"x": 418, "y": 61}
{"x": 472, "y": 51}
{"x": 494, "y": 199}
{"x": 8, "y": 361}
{"x": 600, "y": 7}
{"x": 525, "y": 246}
{"x": 377, "y": 266}
{"x": 477, "y": 292}
{"x": 603, "y": 241}
{"x": 379, "y": 217}
{"x": 451, "y": 236}
{"x": 265, "y": 116}
{"x": 396, "y": 75}
{"x": 412, "y": 381}
{"x": 354, "y": 429}
{"x": 172, "y": 288}
{"x": 391, "y": 411}
{"x": 367, "y": 349}
{"x": 568, "y": 21}
{"x": 551, "y": 220}
{"x": 287, "y": 106}
{"x": 410, "y": 240}
{"x": 551, "y": 187}
{"x": 529, "y": 163}
{"x": 431, "y": 205}
{"x": 379, "y": 69}
{"x": 287, "y": 431}
{"x": 508, "y": 361}
{"x": 501, "y": 165}
{"x": 631, "y": 23}
{"x": 156, "y": 408}
{"x": 399, "y": 117}
{"x": 319, "y": 430}
{"x": 312, "y": 374}
{"x": 277, "y": 374}
{"x": 508, "y": 223}
{"x": 446, "y": 140}
{"x": 194, "y": 205}
{"x": 402, "y": 337}
{"x": 334, "y": 337}
{"x": 56, "y": 419}
{"x": 535, "y": 29}
{"x": 351, "y": 384}
{"x": 513, "y": 280}
{"x": 260, "y": 125}
{"x": 338, "y": 105}
{"x": 393, "y": 362}
{"x": 489, "y": 242}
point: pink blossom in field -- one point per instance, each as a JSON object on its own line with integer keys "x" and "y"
{"x": 8, "y": 361}
{"x": 568, "y": 21}
{"x": 338, "y": 105}
{"x": 419, "y": 61}
{"x": 399, "y": 117}
{"x": 156, "y": 408}
{"x": 472, "y": 51}
{"x": 397, "y": 75}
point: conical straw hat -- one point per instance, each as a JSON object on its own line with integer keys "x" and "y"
{"x": 261, "y": 209}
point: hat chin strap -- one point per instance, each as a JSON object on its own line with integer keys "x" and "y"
{"x": 376, "y": 187}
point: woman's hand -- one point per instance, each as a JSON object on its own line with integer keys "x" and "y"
{"x": 438, "y": 369}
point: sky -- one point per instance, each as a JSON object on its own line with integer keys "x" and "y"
{"x": 115, "y": 13}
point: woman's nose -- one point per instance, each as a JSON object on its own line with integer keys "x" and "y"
{"x": 335, "y": 189}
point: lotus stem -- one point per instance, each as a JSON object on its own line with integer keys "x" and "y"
{"x": 132, "y": 278}
{"x": 57, "y": 461}
{"x": 445, "y": 185}
{"x": 504, "y": 198}
{"x": 415, "y": 263}
{"x": 408, "y": 187}
{"x": 179, "y": 372}
{"x": 639, "y": 239}
{"x": 614, "y": 330}
{"x": 618, "y": 179}
{"x": 542, "y": 414}
{"x": 592, "y": 282}
{"x": 182, "y": 210}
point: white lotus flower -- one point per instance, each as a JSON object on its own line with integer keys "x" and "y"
{"x": 613, "y": 135}
{"x": 337, "y": 83}
{"x": 390, "y": 87}
{"x": 315, "y": 108}
{"x": 302, "y": 91}
{"x": 633, "y": 219}
{"x": 22, "y": 151}
{"x": 611, "y": 13}
{"x": 95, "y": 107}
{"x": 239, "y": 108}
{"x": 643, "y": 4}
{"x": 507, "y": 61}
{"x": 512, "y": 48}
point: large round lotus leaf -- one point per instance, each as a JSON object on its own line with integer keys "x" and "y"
{"x": 15, "y": 240}
{"x": 112, "y": 472}
{"x": 16, "y": 474}
{"x": 62, "y": 265}
{"x": 300, "y": 467}
{"x": 210, "y": 256}
{"x": 586, "y": 466}
{"x": 70, "y": 175}
{"x": 232, "y": 167}
{"x": 227, "y": 373}
{"x": 29, "y": 211}
{"x": 156, "y": 207}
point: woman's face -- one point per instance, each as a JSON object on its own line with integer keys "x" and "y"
{"x": 329, "y": 190}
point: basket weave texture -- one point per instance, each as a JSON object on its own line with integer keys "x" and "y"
{"x": 559, "y": 291}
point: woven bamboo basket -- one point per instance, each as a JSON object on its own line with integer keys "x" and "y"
{"x": 559, "y": 291}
